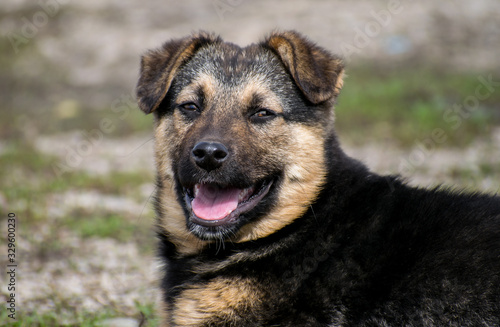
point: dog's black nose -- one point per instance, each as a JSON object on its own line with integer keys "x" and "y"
{"x": 209, "y": 155}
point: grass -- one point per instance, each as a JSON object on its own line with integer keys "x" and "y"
{"x": 56, "y": 319}
{"x": 408, "y": 104}
{"x": 26, "y": 179}
{"x": 110, "y": 225}
{"x": 103, "y": 226}
{"x": 59, "y": 317}
{"x": 150, "y": 317}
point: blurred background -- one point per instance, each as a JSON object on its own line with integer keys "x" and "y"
{"x": 422, "y": 99}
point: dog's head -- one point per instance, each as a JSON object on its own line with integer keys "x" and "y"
{"x": 240, "y": 133}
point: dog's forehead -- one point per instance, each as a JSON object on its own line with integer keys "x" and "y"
{"x": 232, "y": 66}
{"x": 234, "y": 74}
{"x": 230, "y": 62}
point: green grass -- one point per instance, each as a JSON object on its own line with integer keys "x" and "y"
{"x": 106, "y": 225}
{"x": 149, "y": 312}
{"x": 62, "y": 317}
{"x": 51, "y": 319}
{"x": 405, "y": 105}
{"x": 27, "y": 177}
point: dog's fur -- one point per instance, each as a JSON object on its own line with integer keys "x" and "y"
{"x": 322, "y": 241}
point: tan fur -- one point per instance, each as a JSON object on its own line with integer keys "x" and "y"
{"x": 219, "y": 298}
{"x": 304, "y": 178}
{"x": 339, "y": 84}
{"x": 162, "y": 309}
{"x": 258, "y": 86}
{"x": 207, "y": 83}
{"x": 175, "y": 224}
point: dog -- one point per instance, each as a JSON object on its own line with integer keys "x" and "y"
{"x": 263, "y": 220}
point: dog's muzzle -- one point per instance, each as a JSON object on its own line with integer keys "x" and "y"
{"x": 212, "y": 205}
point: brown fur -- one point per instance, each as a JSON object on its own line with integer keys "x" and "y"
{"x": 312, "y": 68}
{"x": 222, "y": 298}
{"x": 304, "y": 177}
{"x": 158, "y": 68}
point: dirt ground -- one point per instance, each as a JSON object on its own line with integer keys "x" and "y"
{"x": 96, "y": 46}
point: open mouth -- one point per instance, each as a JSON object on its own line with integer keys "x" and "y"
{"x": 212, "y": 205}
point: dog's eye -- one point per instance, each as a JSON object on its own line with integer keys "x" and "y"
{"x": 189, "y": 110}
{"x": 262, "y": 115}
{"x": 190, "y": 107}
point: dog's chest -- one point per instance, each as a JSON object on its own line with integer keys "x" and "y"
{"x": 220, "y": 300}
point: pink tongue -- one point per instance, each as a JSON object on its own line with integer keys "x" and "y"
{"x": 214, "y": 203}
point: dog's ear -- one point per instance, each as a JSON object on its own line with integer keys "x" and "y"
{"x": 316, "y": 72}
{"x": 158, "y": 68}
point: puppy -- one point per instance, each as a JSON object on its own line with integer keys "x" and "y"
{"x": 264, "y": 221}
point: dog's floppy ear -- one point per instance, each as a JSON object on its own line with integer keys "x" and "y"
{"x": 316, "y": 72}
{"x": 158, "y": 68}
